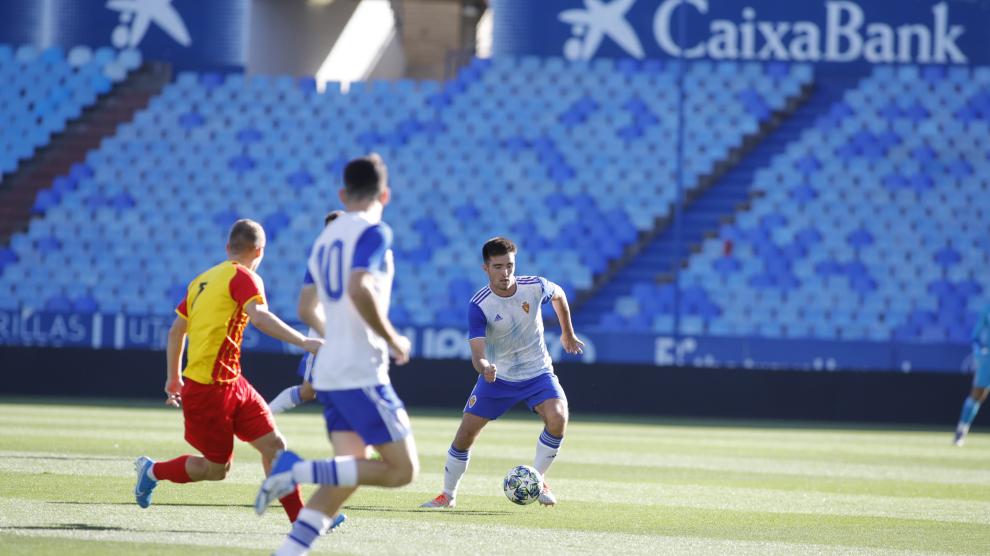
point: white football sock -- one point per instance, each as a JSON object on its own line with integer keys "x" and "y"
{"x": 286, "y": 400}
{"x": 308, "y": 527}
{"x": 453, "y": 470}
{"x": 546, "y": 450}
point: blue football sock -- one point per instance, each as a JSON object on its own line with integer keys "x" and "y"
{"x": 969, "y": 411}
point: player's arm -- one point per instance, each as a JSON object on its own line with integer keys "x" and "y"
{"x": 481, "y": 364}
{"x": 309, "y": 309}
{"x": 568, "y": 339}
{"x": 269, "y": 323}
{"x": 173, "y": 361}
{"x": 361, "y": 290}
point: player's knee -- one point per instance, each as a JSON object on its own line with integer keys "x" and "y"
{"x": 273, "y": 445}
{"x": 980, "y": 394}
{"x": 402, "y": 474}
{"x": 217, "y": 472}
{"x": 556, "y": 421}
{"x": 306, "y": 392}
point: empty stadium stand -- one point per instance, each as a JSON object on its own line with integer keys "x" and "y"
{"x": 574, "y": 161}
{"x": 870, "y": 225}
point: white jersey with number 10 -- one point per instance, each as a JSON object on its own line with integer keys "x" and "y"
{"x": 354, "y": 356}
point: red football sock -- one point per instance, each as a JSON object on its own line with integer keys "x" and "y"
{"x": 173, "y": 470}
{"x": 293, "y": 504}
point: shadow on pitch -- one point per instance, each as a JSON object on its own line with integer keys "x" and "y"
{"x": 172, "y": 504}
{"x": 70, "y": 527}
{"x": 424, "y": 510}
{"x": 416, "y": 510}
{"x": 63, "y": 458}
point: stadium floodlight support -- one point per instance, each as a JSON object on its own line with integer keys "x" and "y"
{"x": 361, "y": 45}
{"x": 679, "y": 204}
{"x": 483, "y": 35}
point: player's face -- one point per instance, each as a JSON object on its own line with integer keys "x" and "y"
{"x": 501, "y": 271}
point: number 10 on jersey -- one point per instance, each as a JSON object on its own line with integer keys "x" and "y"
{"x": 332, "y": 267}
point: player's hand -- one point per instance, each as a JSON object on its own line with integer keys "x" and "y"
{"x": 571, "y": 344}
{"x": 312, "y": 345}
{"x": 400, "y": 347}
{"x": 173, "y": 392}
{"x": 489, "y": 373}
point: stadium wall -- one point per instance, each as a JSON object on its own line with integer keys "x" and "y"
{"x": 918, "y": 398}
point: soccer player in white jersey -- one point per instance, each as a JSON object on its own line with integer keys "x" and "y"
{"x": 505, "y": 330}
{"x": 351, "y": 268}
{"x": 311, "y": 314}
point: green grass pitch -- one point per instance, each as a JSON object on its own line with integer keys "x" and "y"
{"x": 624, "y": 487}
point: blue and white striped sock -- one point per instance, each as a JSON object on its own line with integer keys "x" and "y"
{"x": 453, "y": 470}
{"x": 546, "y": 450}
{"x": 308, "y": 526}
{"x": 339, "y": 471}
{"x": 285, "y": 400}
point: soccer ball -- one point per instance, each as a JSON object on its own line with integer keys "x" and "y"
{"x": 522, "y": 485}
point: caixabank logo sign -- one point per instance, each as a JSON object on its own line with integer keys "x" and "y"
{"x": 828, "y": 32}
{"x": 190, "y": 34}
{"x": 136, "y": 16}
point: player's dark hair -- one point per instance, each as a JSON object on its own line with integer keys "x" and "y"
{"x": 331, "y": 216}
{"x": 497, "y": 246}
{"x": 245, "y": 235}
{"x": 365, "y": 177}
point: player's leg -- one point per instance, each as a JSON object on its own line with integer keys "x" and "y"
{"x": 458, "y": 457}
{"x": 969, "y": 410}
{"x": 550, "y": 403}
{"x": 981, "y": 387}
{"x": 207, "y": 429}
{"x": 286, "y": 399}
{"x": 339, "y": 478}
{"x": 306, "y": 392}
{"x": 294, "y": 396}
{"x": 376, "y": 416}
{"x": 487, "y": 401}
{"x": 254, "y": 424}
{"x": 345, "y": 443}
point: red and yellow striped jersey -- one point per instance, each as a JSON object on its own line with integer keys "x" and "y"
{"x": 214, "y": 312}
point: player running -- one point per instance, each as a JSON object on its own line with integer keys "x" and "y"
{"x": 351, "y": 269}
{"x": 981, "y": 376}
{"x": 505, "y": 330}
{"x": 217, "y": 402}
{"x": 311, "y": 314}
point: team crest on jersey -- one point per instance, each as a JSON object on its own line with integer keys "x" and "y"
{"x": 472, "y": 400}
{"x": 525, "y": 306}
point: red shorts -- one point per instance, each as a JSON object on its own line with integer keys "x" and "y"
{"x": 215, "y": 413}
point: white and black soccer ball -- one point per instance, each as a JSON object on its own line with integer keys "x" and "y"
{"x": 522, "y": 485}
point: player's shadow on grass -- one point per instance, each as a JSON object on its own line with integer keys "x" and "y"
{"x": 175, "y": 504}
{"x": 63, "y": 458}
{"x": 425, "y": 510}
{"x": 71, "y": 527}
